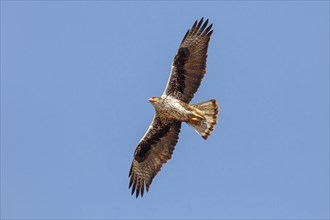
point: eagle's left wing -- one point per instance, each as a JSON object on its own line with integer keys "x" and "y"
{"x": 155, "y": 149}
{"x": 189, "y": 65}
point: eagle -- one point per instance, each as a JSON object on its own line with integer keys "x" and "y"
{"x": 172, "y": 108}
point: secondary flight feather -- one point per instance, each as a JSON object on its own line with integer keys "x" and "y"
{"x": 172, "y": 108}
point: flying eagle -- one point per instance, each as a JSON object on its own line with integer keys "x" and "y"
{"x": 172, "y": 108}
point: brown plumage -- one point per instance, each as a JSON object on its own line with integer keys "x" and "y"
{"x": 172, "y": 108}
{"x": 189, "y": 65}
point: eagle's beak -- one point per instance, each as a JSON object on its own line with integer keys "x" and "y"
{"x": 152, "y": 100}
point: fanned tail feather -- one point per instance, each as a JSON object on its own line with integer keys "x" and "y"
{"x": 210, "y": 111}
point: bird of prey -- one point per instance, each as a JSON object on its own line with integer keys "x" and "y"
{"x": 172, "y": 108}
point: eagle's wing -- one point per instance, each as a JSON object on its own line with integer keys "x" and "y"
{"x": 154, "y": 149}
{"x": 189, "y": 65}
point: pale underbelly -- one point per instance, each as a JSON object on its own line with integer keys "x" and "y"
{"x": 175, "y": 109}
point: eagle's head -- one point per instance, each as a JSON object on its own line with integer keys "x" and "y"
{"x": 155, "y": 101}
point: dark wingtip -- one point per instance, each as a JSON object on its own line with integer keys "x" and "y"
{"x": 194, "y": 25}
{"x": 203, "y": 27}
{"x": 130, "y": 183}
{"x": 137, "y": 188}
{"x": 130, "y": 171}
{"x": 207, "y": 31}
{"x": 185, "y": 36}
{"x": 142, "y": 188}
{"x": 199, "y": 25}
{"x": 137, "y": 192}
{"x": 133, "y": 187}
{"x": 201, "y": 21}
{"x": 210, "y": 33}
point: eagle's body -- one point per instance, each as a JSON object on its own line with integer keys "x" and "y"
{"x": 173, "y": 108}
{"x": 170, "y": 108}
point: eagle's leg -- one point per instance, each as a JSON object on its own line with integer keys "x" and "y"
{"x": 196, "y": 116}
{"x": 195, "y": 121}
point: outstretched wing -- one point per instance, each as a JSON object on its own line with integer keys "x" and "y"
{"x": 189, "y": 65}
{"x": 155, "y": 149}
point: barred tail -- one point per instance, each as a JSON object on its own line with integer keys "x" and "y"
{"x": 210, "y": 112}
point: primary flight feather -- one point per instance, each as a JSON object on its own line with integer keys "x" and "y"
{"x": 172, "y": 108}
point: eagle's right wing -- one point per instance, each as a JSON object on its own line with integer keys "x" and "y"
{"x": 155, "y": 149}
{"x": 189, "y": 64}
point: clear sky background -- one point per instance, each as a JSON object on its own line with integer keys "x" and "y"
{"x": 75, "y": 79}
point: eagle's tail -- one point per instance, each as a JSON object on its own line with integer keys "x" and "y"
{"x": 205, "y": 126}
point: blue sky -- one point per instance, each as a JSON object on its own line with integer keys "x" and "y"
{"x": 75, "y": 79}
